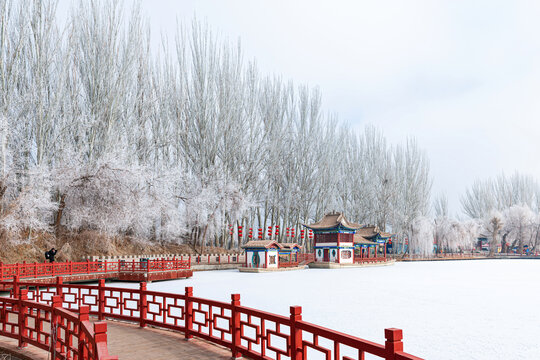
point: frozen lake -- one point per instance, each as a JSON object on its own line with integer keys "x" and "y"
{"x": 485, "y": 309}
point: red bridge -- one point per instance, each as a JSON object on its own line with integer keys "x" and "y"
{"x": 148, "y": 270}
{"x": 55, "y": 318}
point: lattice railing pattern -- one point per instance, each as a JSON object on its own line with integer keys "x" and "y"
{"x": 37, "y": 270}
{"x": 247, "y": 332}
{"x": 46, "y": 325}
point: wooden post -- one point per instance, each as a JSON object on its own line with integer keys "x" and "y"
{"x": 296, "y": 333}
{"x": 23, "y": 320}
{"x": 235, "y": 326}
{"x": 188, "y": 307}
{"x": 55, "y": 319}
{"x": 100, "y": 336}
{"x": 16, "y": 286}
{"x": 83, "y": 316}
{"x": 59, "y": 289}
{"x": 393, "y": 342}
{"x": 101, "y": 299}
{"x": 143, "y": 304}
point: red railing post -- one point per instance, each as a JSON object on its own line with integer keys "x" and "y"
{"x": 23, "y": 320}
{"x": 100, "y": 337}
{"x": 1, "y": 271}
{"x": 188, "y": 307}
{"x": 101, "y": 299}
{"x": 83, "y": 316}
{"x": 296, "y": 334}
{"x": 235, "y": 326}
{"x": 393, "y": 342}
{"x": 16, "y": 286}
{"x": 143, "y": 304}
{"x": 59, "y": 289}
{"x": 55, "y": 319}
{"x": 35, "y": 269}
{"x": 105, "y": 265}
{"x": 70, "y": 267}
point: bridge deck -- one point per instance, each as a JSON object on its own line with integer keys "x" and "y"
{"x": 129, "y": 341}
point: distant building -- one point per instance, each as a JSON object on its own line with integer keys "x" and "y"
{"x": 261, "y": 254}
{"x": 269, "y": 253}
{"x": 334, "y": 239}
{"x": 370, "y": 240}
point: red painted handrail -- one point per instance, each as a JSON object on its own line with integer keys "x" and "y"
{"x": 36, "y": 270}
{"x": 359, "y": 259}
{"x": 249, "y": 332}
{"x": 50, "y": 327}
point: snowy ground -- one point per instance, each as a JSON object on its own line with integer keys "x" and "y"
{"x": 448, "y": 310}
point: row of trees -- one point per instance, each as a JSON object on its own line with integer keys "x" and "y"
{"x": 504, "y": 209}
{"x": 508, "y": 207}
{"x": 98, "y": 132}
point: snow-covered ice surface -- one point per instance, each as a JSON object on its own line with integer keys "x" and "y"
{"x": 485, "y": 309}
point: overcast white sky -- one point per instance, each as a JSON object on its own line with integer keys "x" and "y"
{"x": 463, "y": 77}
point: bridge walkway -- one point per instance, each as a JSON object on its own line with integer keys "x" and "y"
{"x": 129, "y": 341}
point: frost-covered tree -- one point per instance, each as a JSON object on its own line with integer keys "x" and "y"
{"x": 177, "y": 145}
{"x": 493, "y": 224}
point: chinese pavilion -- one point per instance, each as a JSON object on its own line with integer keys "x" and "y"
{"x": 334, "y": 239}
{"x": 262, "y": 254}
{"x": 269, "y": 254}
{"x": 369, "y": 241}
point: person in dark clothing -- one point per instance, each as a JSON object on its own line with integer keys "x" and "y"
{"x": 49, "y": 255}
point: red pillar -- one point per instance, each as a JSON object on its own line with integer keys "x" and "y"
{"x": 188, "y": 307}
{"x": 393, "y": 342}
{"x": 101, "y": 299}
{"x": 143, "y": 304}
{"x": 296, "y": 334}
{"x": 236, "y": 330}
{"x": 23, "y": 320}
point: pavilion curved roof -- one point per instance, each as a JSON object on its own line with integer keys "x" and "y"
{"x": 261, "y": 244}
{"x": 333, "y": 220}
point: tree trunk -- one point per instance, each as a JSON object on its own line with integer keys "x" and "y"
{"x": 59, "y": 214}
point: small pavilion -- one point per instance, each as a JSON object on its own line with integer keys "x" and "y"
{"x": 370, "y": 241}
{"x": 334, "y": 239}
{"x": 261, "y": 254}
{"x": 288, "y": 251}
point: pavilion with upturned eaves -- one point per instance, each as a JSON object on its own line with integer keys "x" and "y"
{"x": 370, "y": 241}
{"x": 334, "y": 239}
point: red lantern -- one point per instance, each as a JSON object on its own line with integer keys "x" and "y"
{"x": 302, "y": 233}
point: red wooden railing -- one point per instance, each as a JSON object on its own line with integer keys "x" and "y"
{"x": 35, "y": 270}
{"x": 247, "y": 332}
{"x": 360, "y": 260}
{"x": 295, "y": 260}
{"x": 63, "y": 333}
